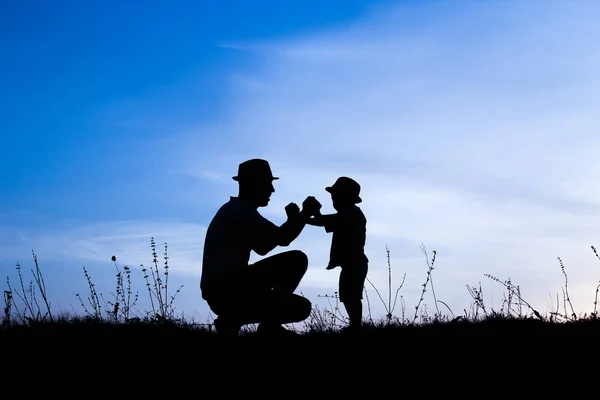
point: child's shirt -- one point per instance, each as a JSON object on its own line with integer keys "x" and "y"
{"x": 349, "y": 228}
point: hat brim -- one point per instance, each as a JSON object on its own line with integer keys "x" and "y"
{"x": 355, "y": 199}
{"x": 238, "y": 178}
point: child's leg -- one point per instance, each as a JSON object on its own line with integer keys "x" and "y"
{"x": 352, "y": 278}
{"x": 354, "y": 309}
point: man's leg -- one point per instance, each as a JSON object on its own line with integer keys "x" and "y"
{"x": 287, "y": 308}
{"x": 264, "y": 293}
{"x": 281, "y": 272}
{"x": 273, "y": 302}
{"x": 226, "y": 323}
{"x": 270, "y": 308}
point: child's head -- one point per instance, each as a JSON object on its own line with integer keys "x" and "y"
{"x": 345, "y": 191}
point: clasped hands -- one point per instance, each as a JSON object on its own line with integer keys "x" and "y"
{"x": 310, "y": 207}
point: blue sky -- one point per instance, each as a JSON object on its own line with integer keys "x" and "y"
{"x": 471, "y": 126}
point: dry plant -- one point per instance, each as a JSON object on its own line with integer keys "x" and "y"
{"x": 390, "y": 305}
{"x": 122, "y": 303}
{"x": 595, "y": 312}
{"x": 477, "y": 295}
{"x": 34, "y": 305}
{"x": 438, "y": 316}
{"x": 122, "y": 306}
{"x": 158, "y": 290}
{"x": 513, "y": 291}
{"x": 328, "y": 318}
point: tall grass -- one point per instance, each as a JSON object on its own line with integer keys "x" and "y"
{"x": 513, "y": 307}
{"x": 28, "y": 304}
{"x": 34, "y": 305}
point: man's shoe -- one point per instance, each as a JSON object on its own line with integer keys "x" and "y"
{"x": 226, "y": 327}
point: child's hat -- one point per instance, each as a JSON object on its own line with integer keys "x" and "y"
{"x": 347, "y": 187}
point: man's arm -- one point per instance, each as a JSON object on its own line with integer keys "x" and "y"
{"x": 288, "y": 231}
{"x": 291, "y": 229}
{"x": 282, "y": 235}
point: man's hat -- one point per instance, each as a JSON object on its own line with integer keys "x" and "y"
{"x": 255, "y": 169}
{"x": 347, "y": 187}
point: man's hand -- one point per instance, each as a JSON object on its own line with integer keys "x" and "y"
{"x": 311, "y": 205}
{"x": 292, "y": 210}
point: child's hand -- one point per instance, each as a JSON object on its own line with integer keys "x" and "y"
{"x": 316, "y": 219}
{"x": 311, "y": 205}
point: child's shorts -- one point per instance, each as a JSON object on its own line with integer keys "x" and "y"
{"x": 352, "y": 281}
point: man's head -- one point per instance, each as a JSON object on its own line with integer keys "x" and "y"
{"x": 255, "y": 181}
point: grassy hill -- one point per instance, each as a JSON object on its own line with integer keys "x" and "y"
{"x": 27, "y": 314}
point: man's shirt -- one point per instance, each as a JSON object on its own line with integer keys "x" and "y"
{"x": 236, "y": 229}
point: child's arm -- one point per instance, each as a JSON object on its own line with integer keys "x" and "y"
{"x": 316, "y": 220}
{"x": 328, "y": 221}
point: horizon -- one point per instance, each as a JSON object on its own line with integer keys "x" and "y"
{"x": 471, "y": 129}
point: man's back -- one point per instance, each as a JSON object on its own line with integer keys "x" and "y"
{"x": 230, "y": 237}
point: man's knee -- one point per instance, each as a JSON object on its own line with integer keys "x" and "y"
{"x": 299, "y": 260}
{"x": 307, "y": 308}
{"x": 303, "y": 308}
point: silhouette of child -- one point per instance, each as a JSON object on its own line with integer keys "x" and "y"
{"x": 348, "y": 226}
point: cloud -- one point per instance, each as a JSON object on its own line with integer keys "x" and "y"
{"x": 472, "y": 129}
{"x": 129, "y": 241}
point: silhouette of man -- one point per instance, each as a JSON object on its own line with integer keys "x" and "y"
{"x": 263, "y": 292}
